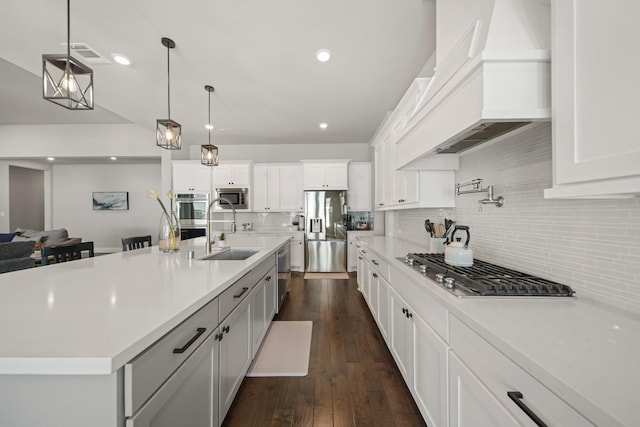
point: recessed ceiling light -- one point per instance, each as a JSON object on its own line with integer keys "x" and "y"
{"x": 323, "y": 55}
{"x": 208, "y": 126}
{"x": 323, "y": 125}
{"x": 113, "y": 158}
{"x": 121, "y": 59}
{"x": 51, "y": 159}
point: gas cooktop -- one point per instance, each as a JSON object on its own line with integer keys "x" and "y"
{"x": 484, "y": 279}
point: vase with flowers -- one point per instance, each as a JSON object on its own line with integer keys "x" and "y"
{"x": 169, "y": 230}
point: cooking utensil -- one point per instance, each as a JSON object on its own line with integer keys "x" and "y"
{"x": 429, "y": 227}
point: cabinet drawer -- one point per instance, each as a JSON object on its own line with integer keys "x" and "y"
{"x": 501, "y": 375}
{"x": 144, "y": 374}
{"x": 377, "y": 263}
{"x": 235, "y": 293}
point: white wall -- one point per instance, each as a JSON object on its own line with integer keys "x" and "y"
{"x": 591, "y": 245}
{"x": 73, "y": 186}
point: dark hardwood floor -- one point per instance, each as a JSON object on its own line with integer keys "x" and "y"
{"x": 352, "y": 380}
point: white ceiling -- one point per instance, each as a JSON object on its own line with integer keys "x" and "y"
{"x": 259, "y": 56}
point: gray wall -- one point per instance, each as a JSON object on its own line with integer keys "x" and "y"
{"x": 73, "y": 186}
{"x": 591, "y": 245}
{"x": 26, "y": 198}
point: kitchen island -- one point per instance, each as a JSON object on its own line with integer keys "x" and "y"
{"x": 574, "y": 361}
{"x": 68, "y": 330}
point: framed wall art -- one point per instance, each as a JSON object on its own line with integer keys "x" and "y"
{"x": 111, "y": 201}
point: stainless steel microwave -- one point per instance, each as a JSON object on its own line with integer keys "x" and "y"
{"x": 239, "y": 197}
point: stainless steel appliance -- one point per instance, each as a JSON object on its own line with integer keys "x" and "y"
{"x": 284, "y": 274}
{"x": 192, "y": 210}
{"x": 484, "y": 279}
{"x": 238, "y": 196}
{"x": 325, "y": 231}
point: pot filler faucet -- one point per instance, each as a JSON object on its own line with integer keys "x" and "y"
{"x": 209, "y": 221}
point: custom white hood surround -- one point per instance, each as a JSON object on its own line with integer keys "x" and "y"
{"x": 492, "y": 75}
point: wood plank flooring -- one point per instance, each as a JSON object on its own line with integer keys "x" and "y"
{"x": 352, "y": 380}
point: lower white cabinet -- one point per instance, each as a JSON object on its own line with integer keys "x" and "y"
{"x": 384, "y": 310}
{"x": 235, "y": 354}
{"x": 508, "y": 395}
{"x": 401, "y": 336}
{"x": 263, "y": 307}
{"x": 471, "y": 404}
{"x": 189, "y": 396}
{"x": 296, "y": 254}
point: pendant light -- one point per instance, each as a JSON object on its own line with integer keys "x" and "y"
{"x": 208, "y": 152}
{"x": 65, "y": 80}
{"x": 168, "y": 132}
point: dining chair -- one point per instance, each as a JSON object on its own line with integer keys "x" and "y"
{"x": 64, "y": 253}
{"x": 131, "y": 243}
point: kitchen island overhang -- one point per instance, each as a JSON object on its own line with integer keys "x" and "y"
{"x": 91, "y": 316}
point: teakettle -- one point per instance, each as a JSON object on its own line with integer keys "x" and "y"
{"x": 458, "y": 253}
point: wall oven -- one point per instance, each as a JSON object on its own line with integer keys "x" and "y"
{"x": 238, "y": 196}
{"x": 192, "y": 210}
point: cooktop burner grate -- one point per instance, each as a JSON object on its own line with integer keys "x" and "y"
{"x": 488, "y": 279}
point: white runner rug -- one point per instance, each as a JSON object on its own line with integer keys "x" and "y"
{"x": 308, "y": 276}
{"x": 285, "y": 351}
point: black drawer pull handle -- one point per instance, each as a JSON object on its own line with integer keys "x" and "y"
{"x": 516, "y": 396}
{"x": 404, "y": 310}
{"x": 360, "y": 257}
{"x": 374, "y": 262}
{"x": 241, "y": 292}
{"x": 268, "y": 279}
{"x": 225, "y": 329}
{"x": 191, "y": 341}
{"x": 375, "y": 275}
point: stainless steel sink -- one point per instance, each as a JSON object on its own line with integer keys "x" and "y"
{"x": 232, "y": 255}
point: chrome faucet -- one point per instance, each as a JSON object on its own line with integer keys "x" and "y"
{"x": 209, "y": 221}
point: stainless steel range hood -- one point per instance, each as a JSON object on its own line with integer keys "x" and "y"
{"x": 492, "y": 76}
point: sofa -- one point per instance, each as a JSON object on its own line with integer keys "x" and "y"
{"x": 55, "y": 237}
{"x": 16, "y": 255}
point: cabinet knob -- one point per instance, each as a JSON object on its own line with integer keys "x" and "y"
{"x": 226, "y": 329}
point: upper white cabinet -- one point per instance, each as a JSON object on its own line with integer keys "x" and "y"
{"x": 277, "y": 187}
{"x": 232, "y": 174}
{"x": 325, "y": 174}
{"x": 595, "y": 106}
{"x": 359, "y": 196}
{"x": 190, "y": 176}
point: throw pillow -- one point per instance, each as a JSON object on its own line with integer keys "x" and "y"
{"x": 56, "y": 236}
{"x": 7, "y": 237}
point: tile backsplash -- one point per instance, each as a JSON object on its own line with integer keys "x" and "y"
{"x": 591, "y": 245}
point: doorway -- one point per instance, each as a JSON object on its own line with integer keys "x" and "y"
{"x": 26, "y": 198}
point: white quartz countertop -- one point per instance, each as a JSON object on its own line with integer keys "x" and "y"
{"x": 588, "y": 354}
{"x": 91, "y": 316}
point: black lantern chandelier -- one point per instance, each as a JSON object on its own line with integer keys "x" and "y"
{"x": 208, "y": 152}
{"x": 65, "y": 80}
{"x": 168, "y": 132}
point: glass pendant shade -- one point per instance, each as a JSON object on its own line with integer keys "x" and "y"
{"x": 209, "y": 155}
{"x": 168, "y": 134}
{"x": 65, "y": 80}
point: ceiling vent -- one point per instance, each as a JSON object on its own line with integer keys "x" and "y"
{"x": 86, "y": 53}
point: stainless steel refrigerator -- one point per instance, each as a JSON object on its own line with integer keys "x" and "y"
{"x": 325, "y": 231}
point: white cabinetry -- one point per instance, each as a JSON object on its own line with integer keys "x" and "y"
{"x": 297, "y": 252}
{"x": 190, "y": 176}
{"x": 595, "y": 106}
{"x": 277, "y": 188}
{"x": 359, "y": 195}
{"x": 190, "y": 390}
{"x": 325, "y": 174}
{"x": 263, "y": 307}
{"x": 235, "y": 354}
{"x": 482, "y": 380}
{"x": 410, "y": 189}
{"x": 352, "y": 248}
{"x": 232, "y": 174}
